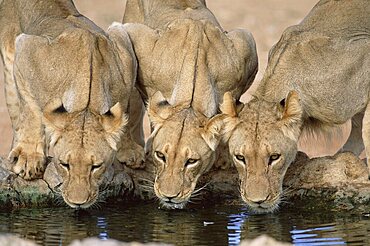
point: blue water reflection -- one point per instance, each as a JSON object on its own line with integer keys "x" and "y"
{"x": 102, "y": 224}
{"x": 211, "y": 225}
{"x": 312, "y": 236}
{"x": 320, "y": 235}
{"x": 234, "y": 227}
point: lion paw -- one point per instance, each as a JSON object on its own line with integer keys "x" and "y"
{"x": 132, "y": 156}
{"x": 28, "y": 165}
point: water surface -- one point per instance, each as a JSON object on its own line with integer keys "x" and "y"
{"x": 206, "y": 225}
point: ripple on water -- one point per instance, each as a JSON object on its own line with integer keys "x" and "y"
{"x": 213, "y": 225}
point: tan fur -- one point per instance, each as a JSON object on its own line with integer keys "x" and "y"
{"x": 321, "y": 69}
{"x": 70, "y": 95}
{"x": 186, "y": 63}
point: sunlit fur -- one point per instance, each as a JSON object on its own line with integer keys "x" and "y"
{"x": 179, "y": 138}
{"x": 256, "y": 137}
{"x": 193, "y": 197}
{"x": 187, "y": 61}
{"x": 69, "y": 84}
{"x": 316, "y": 77}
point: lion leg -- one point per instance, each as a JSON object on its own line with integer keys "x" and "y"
{"x": 131, "y": 150}
{"x": 366, "y": 135}
{"x": 28, "y": 152}
{"x": 11, "y": 94}
{"x": 355, "y": 143}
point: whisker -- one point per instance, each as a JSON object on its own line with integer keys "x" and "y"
{"x": 196, "y": 195}
{"x": 192, "y": 201}
{"x": 59, "y": 200}
{"x": 147, "y": 180}
{"x": 98, "y": 205}
{"x": 201, "y": 188}
{"x": 285, "y": 202}
{"x": 147, "y": 186}
{"x": 196, "y": 199}
{"x": 288, "y": 190}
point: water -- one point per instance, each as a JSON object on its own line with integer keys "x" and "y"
{"x": 207, "y": 225}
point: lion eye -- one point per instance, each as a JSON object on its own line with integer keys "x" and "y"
{"x": 160, "y": 156}
{"x": 240, "y": 158}
{"x": 273, "y": 158}
{"x": 190, "y": 161}
{"x": 96, "y": 166}
{"x": 65, "y": 165}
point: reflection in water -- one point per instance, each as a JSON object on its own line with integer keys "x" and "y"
{"x": 234, "y": 227}
{"x": 210, "y": 225}
{"x": 312, "y": 236}
{"x": 102, "y": 224}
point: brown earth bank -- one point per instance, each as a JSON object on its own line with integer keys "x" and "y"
{"x": 265, "y": 19}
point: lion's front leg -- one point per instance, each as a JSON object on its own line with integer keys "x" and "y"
{"x": 130, "y": 153}
{"x": 28, "y": 153}
{"x": 131, "y": 150}
{"x": 366, "y": 135}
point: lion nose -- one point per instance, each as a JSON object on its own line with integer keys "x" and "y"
{"x": 169, "y": 198}
{"x": 261, "y": 200}
{"x": 78, "y": 204}
{"x": 78, "y": 197}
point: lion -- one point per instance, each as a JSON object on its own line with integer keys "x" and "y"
{"x": 68, "y": 87}
{"x": 318, "y": 76}
{"x": 186, "y": 62}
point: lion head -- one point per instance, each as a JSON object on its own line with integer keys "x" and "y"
{"x": 182, "y": 147}
{"x": 84, "y": 145}
{"x": 262, "y": 140}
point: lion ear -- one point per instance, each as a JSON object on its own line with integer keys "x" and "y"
{"x": 292, "y": 107}
{"x": 113, "y": 122}
{"x": 54, "y": 112}
{"x": 54, "y": 118}
{"x": 230, "y": 111}
{"x": 228, "y": 105}
{"x": 159, "y": 109}
{"x": 212, "y": 131}
{"x": 291, "y": 119}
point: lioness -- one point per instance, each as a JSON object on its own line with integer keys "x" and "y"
{"x": 186, "y": 63}
{"x": 318, "y": 76}
{"x": 67, "y": 86}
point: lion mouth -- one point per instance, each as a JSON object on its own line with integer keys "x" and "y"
{"x": 172, "y": 205}
{"x": 263, "y": 208}
{"x": 81, "y": 206}
{"x": 90, "y": 203}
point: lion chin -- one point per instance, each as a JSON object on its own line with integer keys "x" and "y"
{"x": 262, "y": 208}
{"x": 172, "y": 205}
{"x": 90, "y": 203}
{"x": 82, "y": 206}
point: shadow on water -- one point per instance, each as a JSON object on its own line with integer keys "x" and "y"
{"x": 206, "y": 225}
